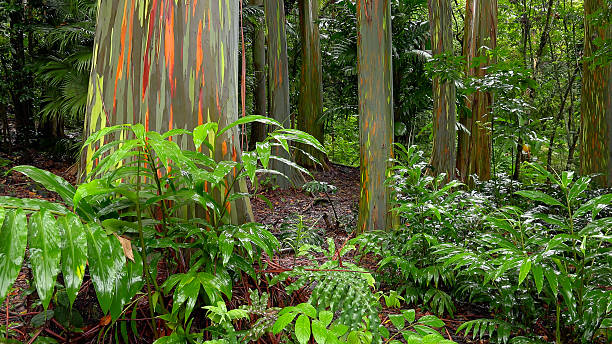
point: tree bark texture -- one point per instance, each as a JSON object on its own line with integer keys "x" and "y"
{"x": 474, "y": 148}
{"x": 310, "y": 101}
{"x": 375, "y": 112}
{"x": 168, "y": 64}
{"x": 443, "y": 157}
{"x": 278, "y": 87}
{"x": 596, "y": 117}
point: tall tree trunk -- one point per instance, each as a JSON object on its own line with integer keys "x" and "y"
{"x": 258, "y": 130}
{"x": 443, "y": 156}
{"x": 596, "y": 136}
{"x": 375, "y": 112}
{"x": 22, "y": 105}
{"x": 474, "y": 149}
{"x": 168, "y": 64}
{"x": 311, "y": 83}
{"x": 278, "y": 87}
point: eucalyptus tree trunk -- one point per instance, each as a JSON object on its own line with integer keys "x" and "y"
{"x": 443, "y": 156}
{"x": 474, "y": 148}
{"x": 258, "y": 130}
{"x": 311, "y": 82}
{"x": 278, "y": 87}
{"x": 596, "y": 117}
{"x": 167, "y": 65}
{"x": 375, "y": 112}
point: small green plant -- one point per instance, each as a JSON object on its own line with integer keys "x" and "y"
{"x": 143, "y": 189}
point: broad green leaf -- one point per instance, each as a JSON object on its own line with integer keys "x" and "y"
{"x": 94, "y": 187}
{"x": 101, "y": 133}
{"x": 13, "y": 241}
{"x": 127, "y": 285}
{"x": 302, "y": 329}
{"x": 308, "y": 309}
{"x": 50, "y": 181}
{"x": 539, "y": 196}
{"x": 430, "y": 320}
{"x": 553, "y": 282}
{"x": 226, "y": 245}
{"x": 106, "y": 263}
{"x": 525, "y": 268}
{"x": 201, "y": 133}
{"x": 175, "y": 132}
{"x": 33, "y": 204}
{"x": 186, "y": 292}
{"x": 319, "y": 332}
{"x": 578, "y": 188}
{"x": 538, "y": 277}
{"x": 398, "y": 320}
{"x": 326, "y": 317}
{"x": 409, "y": 315}
{"x": 45, "y": 254}
{"x": 249, "y": 119}
{"x": 282, "y": 322}
{"x": 263, "y": 152}
{"x": 74, "y": 254}
{"x": 249, "y": 160}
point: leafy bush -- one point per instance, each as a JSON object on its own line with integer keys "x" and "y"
{"x": 144, "y": 189}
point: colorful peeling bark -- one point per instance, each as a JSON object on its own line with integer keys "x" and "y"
{"x": 596, "y": 116}
{"x": 278, "y": 86}
{"x": 375, "y": 111}
{"x": 443, "y": 156}
{"x": 474, "y": 148}
{"x": 258, "y": 130}
{"x": 311, "y": 82}
{"x": 167, "y": 64}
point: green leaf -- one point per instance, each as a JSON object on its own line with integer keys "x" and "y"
{"x": 201, "y": 134}
{"x": 74, "y": 254}
{"x": 106, "y": 263}
{"x": 326, "y": 317}
{"x": 538, "y": 277}
{"x": 32, "y": 204}
{"x": 45, "y": 254}
{"x": 431, "y": 320}
{"x": 282, "y": 322}
{"x": 319, "y": 332}
{"x": 226, "y": 245}
{"x": 551, "y": 277}
{"x": 398, "y": 320}
{"x": 249, "y": 160}
{"x": 307, "y": 309}
{"x": 263, "y": 152}
{"x": 249, "y": 119}
{"x": 127, "y": 285}
{"x": 409, "y": 315}
{"x": 539, "y": 196}
{"x": 13, "y": 241}
{"x": 302, "y": 329}
{"x": 525, "y": 268}
{"x": 50, "y": 181}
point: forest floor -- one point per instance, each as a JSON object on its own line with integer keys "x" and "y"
{"x": 290, "y": 208}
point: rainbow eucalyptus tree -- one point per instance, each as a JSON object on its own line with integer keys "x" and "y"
{"x": 474, "y": 148}
{"x": 375, "y": 112}
{"x": 443, "y": 156}
{"x": 596, "y": 103}
{"x": 258, "y": 130}
{"x": 167, "y": 64}
{"x": 278, "y": 86}
{"x": 311, "y": 83}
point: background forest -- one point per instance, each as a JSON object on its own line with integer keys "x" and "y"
{"x": 306, "y": 171}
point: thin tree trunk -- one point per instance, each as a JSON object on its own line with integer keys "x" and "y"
{"x": 21, "y": 103}
{"x": 310, "y": 103}
{"x": 443, "y": 157}
{"x": 258, "y": 130}
{"x": 167, "y": 65}
{"x": 596, "y": 137}
{"x": 376, "y": 112}
{"x": 474, "y": 149}
{"x": 278, "y": 86}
